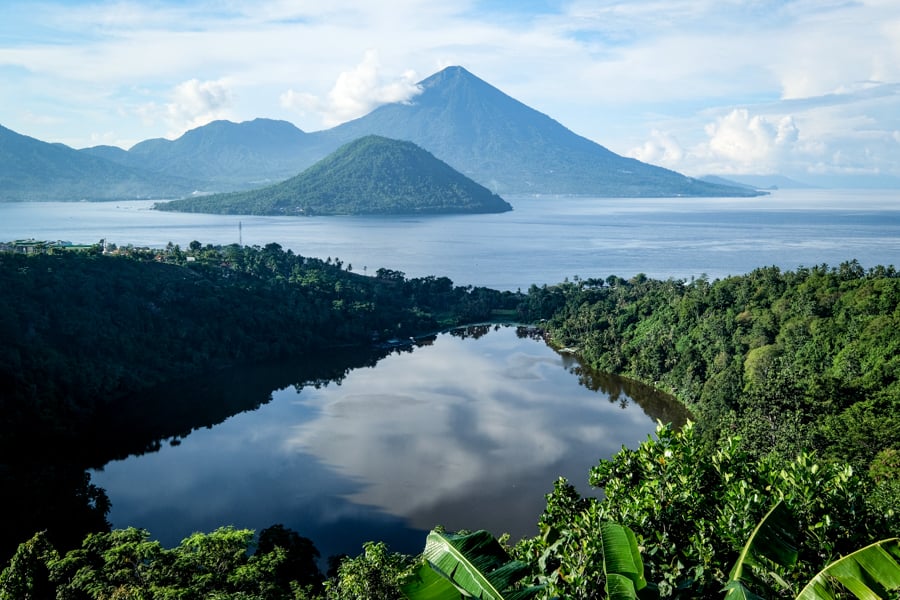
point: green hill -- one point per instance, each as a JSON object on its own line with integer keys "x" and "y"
{"x": 372, "y": 175}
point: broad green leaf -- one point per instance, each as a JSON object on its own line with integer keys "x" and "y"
{"x": 622, "y": 563}
{"x": 621, "y": 555}
{"x": 736, "y": 590}
{"x": 869, "y": 574}
{"x": 470, "y": 565}
{"x": 619, "y": 587}
{"x": 773, "y": 541}
{"x": 426, "y": 583}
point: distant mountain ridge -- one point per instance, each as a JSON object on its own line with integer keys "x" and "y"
{"x": 32, "y": 170}
{"x": 372, "y": 175}
{"x": 761, "y": 182}
{"x": 475, "y": 128}
{"x": 225, "y": 155}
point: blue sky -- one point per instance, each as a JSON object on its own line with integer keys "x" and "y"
{"x": 807, "y": 88}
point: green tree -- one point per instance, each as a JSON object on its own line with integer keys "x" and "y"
{"x": 27, "y": 577}
{"x": 373, "y": 575}
{"x": 692, "y": 511}
{"x": 300, "y": 558}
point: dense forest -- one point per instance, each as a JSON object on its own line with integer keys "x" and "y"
{"x": 792, "y": 361}
{"x": 85, "y": 331}
{"x": 792, "y": 378}
{"x": 373, "y": 175}
{"x": 80, "y": 328}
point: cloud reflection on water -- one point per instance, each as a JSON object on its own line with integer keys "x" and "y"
{"x": 465, "y": 433}
{"x": 476, "y": 419}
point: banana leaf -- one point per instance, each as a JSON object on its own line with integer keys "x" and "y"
{"x": 772, "y": 542}
{"x": 622, "y": 562}
{"x": 472, "y": 565}
{"x": 870, "y": 573}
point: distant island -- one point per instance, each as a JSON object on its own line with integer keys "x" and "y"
{"x": 372, "y": 175}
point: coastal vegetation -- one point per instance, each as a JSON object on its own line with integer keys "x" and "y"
{"x": 792, "y": 378}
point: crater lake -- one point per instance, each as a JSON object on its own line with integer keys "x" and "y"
{"x": 469, "y": 430}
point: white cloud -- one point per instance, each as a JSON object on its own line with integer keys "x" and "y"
{"x": 301, "y": 102}
{"x": 611, "y": 71}
{"x": 661, "y": 149}
{"x": 751, "y": 144}
{"x": 355, "y": 93}
{"x": 192, "y": 103}
{"x": 736, "y": 141}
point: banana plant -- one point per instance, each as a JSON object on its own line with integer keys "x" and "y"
{"x": 472, "y": 565}
{"x": 476, "y": 566}
{"x": 870, "y": 573}
{"x": 771, "y": 543}
{"x": 622, "y": 562}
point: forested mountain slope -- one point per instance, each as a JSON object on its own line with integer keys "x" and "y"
{"x": 796, "y": 360}
{"x": 224, "y": 155}
{"x": 373, "y": 175}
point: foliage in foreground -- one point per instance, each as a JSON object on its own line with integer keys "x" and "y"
{"x": 868, "y": 573}
{"x": 467, "y": 565}
{"x": 692, "y": 512}
{"x": 127, "y": 564}
{"x": 683, "y": 518}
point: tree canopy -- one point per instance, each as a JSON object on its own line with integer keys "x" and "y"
{"x": 792, "y": 378}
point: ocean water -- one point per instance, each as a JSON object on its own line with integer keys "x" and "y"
{"x": 544, "y": 240}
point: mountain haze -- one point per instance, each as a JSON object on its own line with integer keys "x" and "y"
{"x": 511, "y": 148}
{"x": 475, "y": 128}
{"x": 370, "y": 175}
{"x": 762, "y": 182}
{"x": 225, "y": 155}
{"x": 32, "y": 170}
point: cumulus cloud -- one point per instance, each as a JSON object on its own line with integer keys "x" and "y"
{"x": 661, "y": 149}
{"x": 355, "y": 93}
{"x": 751, "y": 143}
{"x": 301, "y": 102}
{"x": 195, "y": 103}
{"x": 192, "y": 103}
{"x": 735, "y": 142}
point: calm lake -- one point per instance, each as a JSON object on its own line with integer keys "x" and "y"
{"x": 465, "y": 431}
{"x": 468, "y": 430}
